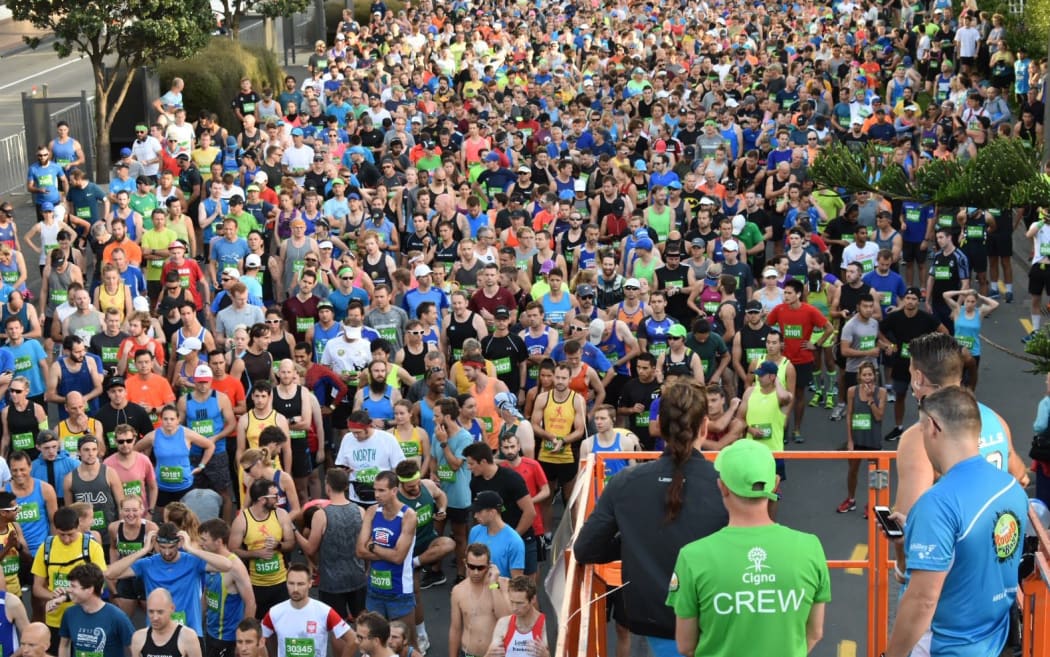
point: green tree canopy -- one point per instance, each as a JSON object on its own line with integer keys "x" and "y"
{"x": 117, "y": 38}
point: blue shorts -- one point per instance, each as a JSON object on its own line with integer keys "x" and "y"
{"x": 663, "y": 647}
{"x": 531, "y": 555}
{"x": 390, "y": 606}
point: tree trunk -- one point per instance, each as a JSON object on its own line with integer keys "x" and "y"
{"x": 101, "y": 131}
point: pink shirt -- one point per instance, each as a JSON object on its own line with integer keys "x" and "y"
{"x": 134, "y": 478}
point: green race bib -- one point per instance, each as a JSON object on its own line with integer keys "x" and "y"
{"x": 755, "y": 353}
{"x": 765, "y": 431}
{"x": 975, "y": 232}
{"x": 22, "y": 441}
{"x": 410, "y": 449}
{"x": 298, "y": 647}
{"x": 28, "y": 512}
{"x": 298, "y": 434}
{"x": 133, "y": 488}
{"x": 861, "y": 422}
{"x": 967, "y": 341}
{"x": 366, "y": 475}
{"x": 267, "y": 566}
{"x": 179, "y": 617}
{"x": 171, "y": 474}
{"x": 793, "y": 331}
{"x": 502, "y": 365}
{"x": 905, "y": 350}
{"x": 303, "y": 324}
{"x": 382, "y": 579}
{"x": 942, "y": 272}
{"x": 205, "y": 428}
{"x": 867, "y": 342}
{"x": 446, "y": 474}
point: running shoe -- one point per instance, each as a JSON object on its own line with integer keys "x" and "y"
{"x": 814, "y": 402}
{"x": 894, "y": 435}
{"x": 838, "y": 413}
{"x": 424, "y": 643}
{"x": 1009, "y": 297}
{"x": 432, "y": 578}
{"x": 797, "y": 437}
{"x": 1028, "y": 338}
{"x": 848, "y": 504}
{"x": 829, "y": 401}
{"x": 891, "y": 396}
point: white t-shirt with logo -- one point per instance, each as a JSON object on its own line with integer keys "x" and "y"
{"x": 303, "y": 632}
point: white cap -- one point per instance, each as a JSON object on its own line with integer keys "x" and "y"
{"x": 232, "y": 273}
{"x": 738, "y": 224}
{"x": 580, "y": 185}
{"x": 260, "y": 175}
{"x": 421, "y": 270}
{"x": 327, "y": 244}
{"x": 730, "y": 245}
{"x": 769, "y": 271}
{"x": 140, "y": 304}
{"x": 594, "y": 333}
{"x": 352, "y": 332}
{"x": 189, "y": 345}
{"x": 202, "y": 373}
{"x": 632, "y": 282}
{"x": 253, "y": 260}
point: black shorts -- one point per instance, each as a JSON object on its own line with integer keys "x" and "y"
{"x": 901, "y": 389}
{"x": 164, "y": 498}
{"x": 302, "y": 462}
{"x": 216, "y": 473}
{"x": 967, "y": 61}
{"x": 267, "y": 597}
{"x": 219, "y": 648}
{"x": 48, "y": 321}
{"x": 457, "y": 516}
{"x": 1039, "y": 279}
{"x": 348, "y": 605}
{"x": 131, "y": 588}
{"x": 978, "y": 259}
{"x": 849, "y": 379}
{"x": 911, "y": 252}
{"x": 1000, "y": 246}
{"x": 559, "y": 473}
{"x": 803, "y": 375}
{"x": 531, "y": 555}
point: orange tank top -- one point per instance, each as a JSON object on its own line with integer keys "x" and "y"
{"x": 578, "y": 383}
{"x": 488, "y": 415}
{"x": 631, "y": 319}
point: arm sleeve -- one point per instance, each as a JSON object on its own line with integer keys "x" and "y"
{"x": 598, "y": 540}
{"x": 267, "y": 626}
{"x": 929, "y": 536}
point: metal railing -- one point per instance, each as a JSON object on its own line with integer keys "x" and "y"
{"x": 13, "y": 162}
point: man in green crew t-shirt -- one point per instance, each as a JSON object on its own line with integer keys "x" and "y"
{"x": 753, "y": 587}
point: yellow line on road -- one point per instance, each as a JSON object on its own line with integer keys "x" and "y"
{"x": 859, "y": 552}
{"x": 1027, "y": 324}
{"x": 847, "y": 649}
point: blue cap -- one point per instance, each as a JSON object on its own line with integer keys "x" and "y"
{"x": 644, "y": 243}
{"x": 492, "y": 157}
{"x": 639, "y": 165}
{"x": 124, "y": 152}
{"x": 767, "y": 367}
{"x": 674, "y": 184}
{"x": 47, "y": 206}
{"x": 566, "y": 195}
{"x": 297, "y": 132}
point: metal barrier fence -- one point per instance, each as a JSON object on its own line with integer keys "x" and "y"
{"x": 302, "y": 30}
{"x": 13, "y": 162}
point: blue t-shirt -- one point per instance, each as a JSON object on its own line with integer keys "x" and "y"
{"x": 970, "y": 525}
{"x": 46, "y": 177}
{"x": 27, "y": 359}
{"x": 182, "y": 578}
{"x": 507, "y": 547}
{"x": 133, "y": 278}
{"x": 455, "y": 483}
{"x": 101, "y": 634}
{"x": 590, "y": 354}
{"x": 227, "y": 254}
{"x": 890, "y": 287}
{"x": 341, "y": 300}
{"x": 413, "y": 298}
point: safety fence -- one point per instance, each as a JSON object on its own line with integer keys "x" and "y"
{"x": 40, "y": 115}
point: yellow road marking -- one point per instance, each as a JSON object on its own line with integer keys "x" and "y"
{"x": 1027, "y": 324}
{"x": 860, "y": 551}
{"x": 847, "y": 649}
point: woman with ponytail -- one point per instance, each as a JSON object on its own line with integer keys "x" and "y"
{"x": 649, "y": 511}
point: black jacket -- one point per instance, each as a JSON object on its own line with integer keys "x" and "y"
{"x": 628, "y": 524}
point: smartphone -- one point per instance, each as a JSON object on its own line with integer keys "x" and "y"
{"x": 889, "y": 525}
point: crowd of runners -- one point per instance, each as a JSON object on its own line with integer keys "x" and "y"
{"x": 358, "y": 341}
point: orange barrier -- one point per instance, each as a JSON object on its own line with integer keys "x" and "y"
{"x": 583, "y": 628}
{"x": 1034, "y": 598}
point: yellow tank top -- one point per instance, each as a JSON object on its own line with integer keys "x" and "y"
{"x": 412, "y": 447}
{"x": 255, "y": 427}
{"x": 68, "y": 439}
{"x": 264, "y": 572}
{"x": 558, "y": 419}
{"x": 10, "y": 561}
{"x": 115, "y": 300}
{"x": 763, "y": 411}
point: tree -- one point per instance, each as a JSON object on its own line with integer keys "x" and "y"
{"x": 126, "y": 35}
{"x": 234, "y": 10}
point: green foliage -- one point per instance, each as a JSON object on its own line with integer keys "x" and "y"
{"x": 1030, "y": 30}
{"x": 280, "y": 8}
{"x": 213, "y": 76}
{"x": 1004, "y": 174}
{"x": 235, "y": 10}
{"x": 1038, "y": 352}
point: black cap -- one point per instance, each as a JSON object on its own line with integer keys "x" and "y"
{"x": 45, "y": 436}
{"x": 753, "y": 305}
{"x": 913, "y": 291}
{"x": 501, "y": 313}
{"x": 115, "y": 382}
{"x": 487, "y": 499}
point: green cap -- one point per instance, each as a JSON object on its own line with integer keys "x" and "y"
{"x": 677, "y": 331}
{"x": 338, "y": 181}
{"x": 252, "y": 188}
{"x": 141, "y": 126}
{"x": 345, "y": 270}
{"x": 747, "y": 469}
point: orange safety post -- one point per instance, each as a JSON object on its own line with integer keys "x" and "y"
{"x": 1034, "y": 597}
{"x": 583, "y": 630}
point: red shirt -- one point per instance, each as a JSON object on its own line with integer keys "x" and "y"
{"x": 190, "y": 274}
{"x": 230, "y": 387}
{"x": 532, "y": 472}
{"x": 504, "y": 297}
{"x": 796, "y": 325}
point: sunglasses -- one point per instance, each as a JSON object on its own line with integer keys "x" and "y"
{"x": 630, "y": 287}
{"x": 273, "y": 321}
{"x": 346, "y": 278}
{"x": 126, "y": 442}
{"x": 18, "y": 391}
{"x": 173, "y": 288}
{"x": 416, "y": 332}
{"x": 675, "y": 337}
{"x": 476, "y": 567}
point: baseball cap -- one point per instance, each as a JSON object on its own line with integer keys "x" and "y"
{"x": 124, "y": 152}
{"x": 738, "y": 224}
{"x": 492, "y": 157}
{"x": 747, "y": 468}
{"x": 232, "y": 273}
{"x": 183, "y": 156}
{"x": 422, "y": 270}
{"x": 730, "y": 245}
{"x": 297, "y": 132}
{"x": 46, "y": 436}
{"x": 202, "y": 373}
{"x": 766, "y": 367}
{"x": 566, "y": 195}
{"x": 140, "y": 304}
{"x": 501, "y": 313}
{"x": 698, "y": 242}
{"x": 677, "y": 331}
{"x": 753, "y": 306}
{"x": 913, "y": 291}
{"x": 253, "y": 261}
{"x": 189, "y": 345}
{"x": 47, "y": 206}
{"x": 490, "y": 499}
{"x": 584, "y": 290}
{"x": 594, "y": 333}
{"x": 325, "y": 303}
{"x": 632, "y": 282}
{"x": 507, "y": 401}
{"x": 176, "y": 245}
{"x": 115, "y": 382}
{"x": 707, "y": 200}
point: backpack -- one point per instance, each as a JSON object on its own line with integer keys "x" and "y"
{"x": 85, "y": 552}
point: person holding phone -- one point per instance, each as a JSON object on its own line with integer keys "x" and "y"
{"x": 865, "y": 407}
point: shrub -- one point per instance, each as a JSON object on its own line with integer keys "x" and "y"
{"x": 213, "y": 76}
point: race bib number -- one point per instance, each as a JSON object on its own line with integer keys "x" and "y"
{"x": 267, "y": 566}
{"x": 58, "y": 297}
{"x": 213, "y": 601}
{"x": 793, "y": 331}
{"x": 366, "y": 475}
{"x": 502, "y": 365}
{"x": 28, "y": 512}
{"x": 303, "y": 324}
{"x": 887, "y": 299}
{"x": 298, "y": 647}
{"x": 710, "y": 307}
{"x": 382, "y": 579}
{"x": 861, "y": 422}
{"x": 156, "y": 264}
{"x": 1044, "y": 249}
{"x": 867, "y": 343}
{"x": 69, "y": 443}
{"x": 133, "y": 488}
{"x": 23, "y": 364}
{"x": 179, "y": 617}
{"x": 755, "y": 353}
{"x": 905, "y": 350}
{"x": 410, "y": 449}
{"x": 912, "y": 216}
{"x": 486, "y": 423}
{"x": 124, "y": 548}
{"x": 642, "y": 420}
{"x": 945, "y": 220}
{"x": 446, "y": 474}
{"x": 170, "y": 474}
{"x": 298, "y": 434}
{"x": 975, "y": 232}
{"x": 942, "y": 272}
{"x": 867, "y": 265}
{"x": 11, "y": 564}
{"x": 967, "y": 341}
{"x": 109, "y": 355}
{"x": 389, "y": 333}
{"x": 765, "y": 431}
{"x": 61, "y": 581}
{"x": 205, "y": 428}
{"x": 22, "y": 441}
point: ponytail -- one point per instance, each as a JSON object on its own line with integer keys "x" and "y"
{"x": 683, "y": 408}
